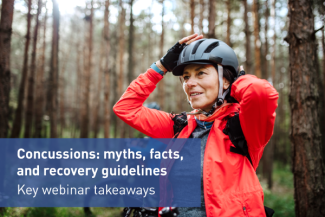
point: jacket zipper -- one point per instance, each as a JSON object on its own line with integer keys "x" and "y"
{"x": 245, "y": 211}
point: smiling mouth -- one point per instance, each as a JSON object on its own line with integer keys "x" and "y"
{"x": 195, "y": 94}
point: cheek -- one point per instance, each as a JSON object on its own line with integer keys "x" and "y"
{"x": 212, "y": 90}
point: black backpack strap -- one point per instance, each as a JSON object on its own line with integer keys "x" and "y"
{"x": 180, "y": 121}
{"x": 268, "y": 211}
{"x": 236, "y": 136}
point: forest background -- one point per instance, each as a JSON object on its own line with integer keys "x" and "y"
{"x": 64, "y": 64}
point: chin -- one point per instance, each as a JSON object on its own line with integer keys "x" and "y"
{"x": 203, "y": 106}
{"x": 196, "y": 106}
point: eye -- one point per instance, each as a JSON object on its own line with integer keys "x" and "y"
{"x": 200, "y": 73}
{"x": 186, "y": 77}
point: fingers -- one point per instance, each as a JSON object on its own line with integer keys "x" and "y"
{"x": 186, "y": 39}
{"x": 195, "y": 39}
{"x": 241, "y": 68}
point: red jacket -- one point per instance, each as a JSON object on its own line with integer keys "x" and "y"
{"x": 231, "y": 187}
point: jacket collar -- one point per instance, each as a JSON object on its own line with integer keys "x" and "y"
{"x": 233, "y": 108}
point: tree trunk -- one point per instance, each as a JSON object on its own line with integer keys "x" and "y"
{"x": 65, "y": 56}
{"x": 268, "y": 155}
{"x": 85, "y": 118}
{"x": 192, "y": 6}
{"x": 7, "y": 12}
{"x": 274, "y": 43}
{"x": 114, "y": 79}
{"x": 103, "y": 56}
{"x": 267, "y": 160}
{"x": 15, "y": 133}
{"x": 308, "y": 166}
{"x": 114, "y": 89}
{"x": 131, "y": 57}
{"x": 83, "y": 105}
{"x": 323, "y": 47}
{"x": 62, "y": 94}
{"x": 248, "y": 63}
{"x": 257, "y": 41}
{"x": 39, "y": 101}
{"x": 79, "y": 87}
{"x": 54, "y": 72}
{"x": 212, "y": 19}
{"x": 62, "y": 84}
{"x": 96, "y": 111}
{"x": 228, "y": 23}
{"x": 107, "y": 115}
{"x": 121, "y": 124}
{"x": 121, "y": 48}
{"x": 265, "y": 73}
{"x": 30, "y": 98}
{"x": 161, "y": 84}
{"x": 149, "y": 35}
{"x": 202, "y": 5}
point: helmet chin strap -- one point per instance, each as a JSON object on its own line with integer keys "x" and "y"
{"x": 221, "y": 94}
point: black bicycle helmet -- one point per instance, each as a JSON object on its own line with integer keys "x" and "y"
{"x": 209, "y": 51}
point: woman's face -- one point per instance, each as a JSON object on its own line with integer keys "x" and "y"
{"x": 201, "y": 85}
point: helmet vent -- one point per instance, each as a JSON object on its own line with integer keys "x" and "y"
{"x": 211, "y": 47}
{"x": 196, "y": 46}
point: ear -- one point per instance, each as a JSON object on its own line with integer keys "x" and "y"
{"x": 226, "y": 83}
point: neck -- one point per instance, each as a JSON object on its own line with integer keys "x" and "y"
{"x": 217, "y": 108}
{"x": 207, "y": 110}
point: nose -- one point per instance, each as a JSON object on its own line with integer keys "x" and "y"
{"x": 191, "y": 82}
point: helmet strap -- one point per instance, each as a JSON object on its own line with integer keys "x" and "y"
{"x": 221, "y": 94}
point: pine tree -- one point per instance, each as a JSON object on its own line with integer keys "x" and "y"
{"x": 31, "y": 80}
{"x": 248, "y": 43}
{"x": 7, "y": 12}
{"x": 107, "y": 72}
{"x": 15, "y": 133}
{"x": 87, "y": 76}
{"x": 212, "y": 19}
{"x": 308, "y": 165}
{"x": 40, "y": 96}
{"x": 54, "y": 72}
{"x": 257, "y": 41}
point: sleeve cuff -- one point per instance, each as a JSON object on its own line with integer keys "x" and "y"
{"x": 153, "y": 76}
{"x": 154, "y": 67}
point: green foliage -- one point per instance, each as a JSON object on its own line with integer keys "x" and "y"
{"x": 38, "y": 212}
{"x": 59, "y": 212}
{"x": 282, "y": 205}
{"x": 281, "y": 197}
{"x": 283, "y": 176}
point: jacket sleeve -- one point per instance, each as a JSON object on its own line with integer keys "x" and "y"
{"x": 153, "y": 123}
{"x": 258, "y": 101}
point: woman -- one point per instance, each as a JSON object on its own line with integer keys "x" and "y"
{"x": 209, "y": 68}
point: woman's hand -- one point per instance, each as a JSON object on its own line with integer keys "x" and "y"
{"x": 189, "y": 39}
{"x": 169, "y": 61}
